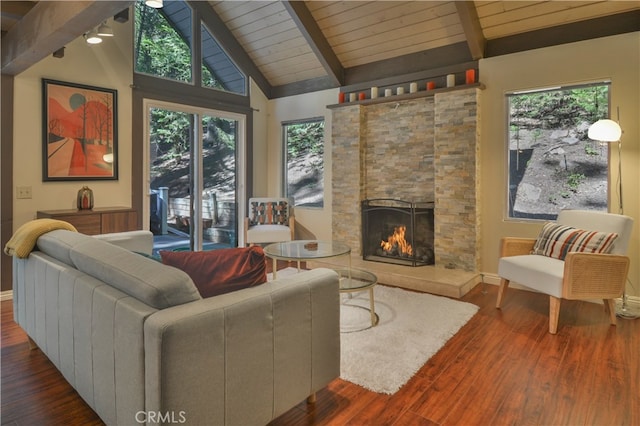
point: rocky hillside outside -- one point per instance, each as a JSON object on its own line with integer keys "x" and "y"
{"x": 553, "y": 165}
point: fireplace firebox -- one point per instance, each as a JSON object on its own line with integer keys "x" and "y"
{"x": 398, "y": 231}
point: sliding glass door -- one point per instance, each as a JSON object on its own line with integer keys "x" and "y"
{"x": 195, "y": 159}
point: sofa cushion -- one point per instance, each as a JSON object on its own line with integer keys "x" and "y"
{"x": 150, "y": 282}
{"x": 557, "y": 240}
{"x": 220, "y": 271}
{"x": 58, "y": 244}
{"x": 140, "y": 241}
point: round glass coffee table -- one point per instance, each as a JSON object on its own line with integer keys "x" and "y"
{"x": 356, "y": 280}
{"x": 301, "y": 250}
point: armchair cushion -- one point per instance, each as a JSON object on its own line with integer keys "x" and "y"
{"x": 268, "y": 234}
{"x": 556, "y": 240}
{"x": 534, "y": 271}
{"x": 220, "y": 271}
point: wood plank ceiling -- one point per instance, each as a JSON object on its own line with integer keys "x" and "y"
{"x": 304, "y": 46}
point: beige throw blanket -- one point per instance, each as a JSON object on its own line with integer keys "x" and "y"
{"x": 24, "y": 239}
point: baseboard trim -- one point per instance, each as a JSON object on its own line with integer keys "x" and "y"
{"x": 6, "y": 295}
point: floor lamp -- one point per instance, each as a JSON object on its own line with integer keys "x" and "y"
{"x": 610, "y": 131}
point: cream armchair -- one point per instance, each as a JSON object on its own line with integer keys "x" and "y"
{"x": 270, "y": 220}
{"x": 581, "y": 275}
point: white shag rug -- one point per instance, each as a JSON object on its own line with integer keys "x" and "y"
{"x": 412, "y": 327}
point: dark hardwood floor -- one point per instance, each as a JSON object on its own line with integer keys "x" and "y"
{"x": 502, "y": 368}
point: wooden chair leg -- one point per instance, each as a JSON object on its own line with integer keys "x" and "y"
{"x": 554, "y": 314}
{"x": 610, "y": 308}
{"x": 504, "y": 283}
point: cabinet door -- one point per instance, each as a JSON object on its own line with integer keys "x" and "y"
{"x": 119, "y": 221}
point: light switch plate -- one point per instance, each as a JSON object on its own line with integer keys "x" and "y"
{"x": 23, "y": 192}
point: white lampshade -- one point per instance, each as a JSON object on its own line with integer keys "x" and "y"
{"x": 605, "y": 131}
{"x": 105, "y": 30}
{"x": 156, "y": 4}
{"x": 92, "y": 37}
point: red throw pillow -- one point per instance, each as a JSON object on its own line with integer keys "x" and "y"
{"x": 220, "y": 271}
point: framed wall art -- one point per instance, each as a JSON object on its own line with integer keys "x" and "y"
{"x": 79, "y": 132}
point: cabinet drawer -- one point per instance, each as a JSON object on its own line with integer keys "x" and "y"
{"x": 87, "y": 223}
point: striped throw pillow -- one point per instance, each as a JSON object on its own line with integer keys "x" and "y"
{"x": 557, "y": 240}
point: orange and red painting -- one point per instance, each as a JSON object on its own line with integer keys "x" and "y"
{"x": 80, "y": 132}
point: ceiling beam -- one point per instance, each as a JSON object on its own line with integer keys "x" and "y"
{"x": 430, "y": 63}
{"x": 15, "y": 9}
{"x": 605, "y": 26}
{"x": 472, "y": 30}
{"x": 316, "y": 39}
{"x": 48, "y": 27}
{"x": 414, "y": 62}
{"x": 304, "y": 86}
{"x": 232, "y": 47}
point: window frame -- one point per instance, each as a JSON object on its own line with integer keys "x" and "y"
{"x": 285, "y": 178}
{"x": 507, "y": 132}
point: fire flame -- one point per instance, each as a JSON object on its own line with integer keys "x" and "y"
{"x": 398, "y": 241}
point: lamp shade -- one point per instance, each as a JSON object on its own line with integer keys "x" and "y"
{"x": 605, "y": 131}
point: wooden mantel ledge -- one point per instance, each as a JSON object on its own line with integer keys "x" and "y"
{"x": 407, "y": 96}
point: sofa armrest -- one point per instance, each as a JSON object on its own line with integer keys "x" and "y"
{"x": 273, "y": 345}
{"x": 594, "y": 275}
{"x": 510, "y": 246}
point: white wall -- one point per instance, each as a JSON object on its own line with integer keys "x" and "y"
{"x": 311, "y": 223}
{"x": 259, "y": 103}
{"x": 616, "y": 58}
{"x": 105, "y": 65}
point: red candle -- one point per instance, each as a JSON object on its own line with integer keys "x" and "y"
{"x": 341, "y": 97}
{"x": 361, "y": 96}
{"x": 471, "y": 76}
{"x": 431, "y": 85}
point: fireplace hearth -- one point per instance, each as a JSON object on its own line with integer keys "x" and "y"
{"x": 397, "y": 231}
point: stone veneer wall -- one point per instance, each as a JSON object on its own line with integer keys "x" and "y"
{"x": 421, "y": 149}
{"x": 457, "y": 209}
{"x": 348, "y": 126}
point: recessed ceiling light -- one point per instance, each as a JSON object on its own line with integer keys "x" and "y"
{"x": 92, "y": 37}
{"x": 156, "y": 4}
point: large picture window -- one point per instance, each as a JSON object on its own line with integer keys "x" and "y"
{"x": 304, "y": 162}
{"x": 553, "y": 165}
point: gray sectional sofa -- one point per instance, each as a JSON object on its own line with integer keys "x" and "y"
{"x": 140, "y": 345}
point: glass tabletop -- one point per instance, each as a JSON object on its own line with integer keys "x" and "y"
{"x": 352, "y": 280}
{"x": 306, "y": 249}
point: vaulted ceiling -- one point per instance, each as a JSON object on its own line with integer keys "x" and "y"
{"x": 301, "y": 46}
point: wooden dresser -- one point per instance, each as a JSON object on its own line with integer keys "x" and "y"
{"x": 98, "y": 220}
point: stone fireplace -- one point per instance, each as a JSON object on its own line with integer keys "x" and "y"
{"x": 414, "y": 147}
